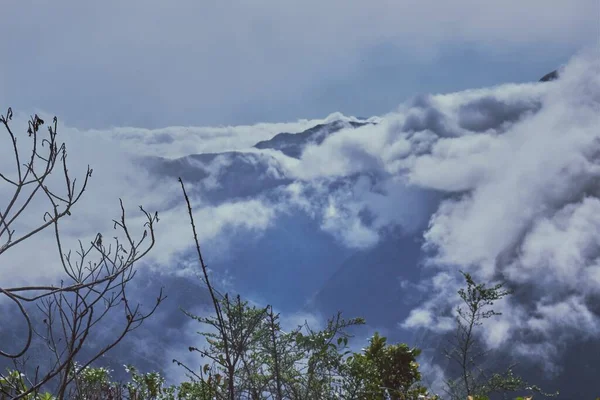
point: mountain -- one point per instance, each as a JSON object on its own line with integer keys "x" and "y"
{"x": 292, "y": 144}
{"x": 305, "y": 262}
{"x": 554, "y": 75}
{"x": 551, "y": 76}
{"x": 387, "y": 266}
{"x": 375, "y": 217}
{"x": 220, "y": 177}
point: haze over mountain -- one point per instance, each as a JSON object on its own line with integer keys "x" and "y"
{"x": 374, "y": 217}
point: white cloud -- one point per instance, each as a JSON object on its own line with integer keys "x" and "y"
{"x": 562, "y": 248}
{"x": 538, "y": 164}
{"x": 568, "y": 313}
{"x": 345, "y": 222}
{"x": 523, "y": 209}
{"x": 180, "y": 141}
{"x": 116, "y": 174}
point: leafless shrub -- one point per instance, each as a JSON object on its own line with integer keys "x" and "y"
{"x": 96, "y": 276}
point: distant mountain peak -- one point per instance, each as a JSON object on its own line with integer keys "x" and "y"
{"x": 554, "y": 75}
{"x": 551, "y": 76}
{"x": 292, "y": 144}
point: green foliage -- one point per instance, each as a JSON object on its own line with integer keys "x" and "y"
{"x": 13, "y": 383}
{"x": 385, "y": 371}
{"x": 89, "y": 382}
{"x": 249, "y": 353}
{"x": 396, "y": 364}
{"x": 302, "y": 364}
{"x": 96, "y": 384}
{"x": 249, "y": 356}
{"x": 147, "y": 386}
{"x": 247, "y": 347}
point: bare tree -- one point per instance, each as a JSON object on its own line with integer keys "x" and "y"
{"x": 234, "y": 327}
{"x": 95, "y": 278}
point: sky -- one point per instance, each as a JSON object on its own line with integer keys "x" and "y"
{"x": 153, "y": 64}
{"x": 474, "y": 163}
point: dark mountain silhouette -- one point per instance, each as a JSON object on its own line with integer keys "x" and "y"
{"x": 292, "y": 144}
{"x": 220, "y": 177}
{"x": 551, "y": 76}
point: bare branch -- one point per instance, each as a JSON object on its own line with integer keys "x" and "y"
{"x": 96, "y": 276}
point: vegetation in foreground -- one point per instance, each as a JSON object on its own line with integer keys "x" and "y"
{"x": 247, "y": 356}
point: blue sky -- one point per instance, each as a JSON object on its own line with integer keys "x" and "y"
{"x": 153, "y": 63}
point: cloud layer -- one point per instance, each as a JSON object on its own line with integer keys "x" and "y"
{"x": 522, "y": 210}
{"x": 500, "y": 182}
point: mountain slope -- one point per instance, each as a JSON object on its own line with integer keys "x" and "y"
{"x": 292, "y": 144}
